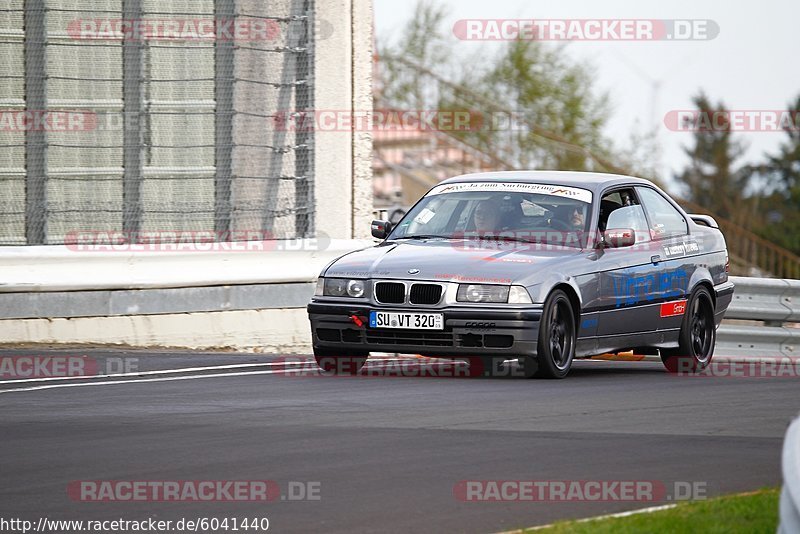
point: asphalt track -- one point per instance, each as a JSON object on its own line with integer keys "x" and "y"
{"x": 386, "y": 451}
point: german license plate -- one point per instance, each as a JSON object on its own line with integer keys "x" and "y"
{"x": 406, "y": 320}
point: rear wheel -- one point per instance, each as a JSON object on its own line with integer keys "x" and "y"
{"x": 697, "y": 336}
{"x": 557, "y": 338}
{"x": 340, "y": 362}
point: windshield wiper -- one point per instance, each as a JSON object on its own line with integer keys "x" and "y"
{"x": 424, "y": 236}
{"x": 502, "y": 238}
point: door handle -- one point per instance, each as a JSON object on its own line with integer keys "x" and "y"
{"x": 655, "y": 259}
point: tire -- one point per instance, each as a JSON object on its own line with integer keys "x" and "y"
{"x": 338, "y": 363}
{"x": 697, "y": 336}
{"x": 557, "y": 340}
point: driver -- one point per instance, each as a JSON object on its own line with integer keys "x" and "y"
{"x": 571, "y": 217}
{"x": 486, "y": 215}
{"x": 577, "y": 218}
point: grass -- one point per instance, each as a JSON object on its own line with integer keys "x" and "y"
{"x": 746, "y": 513}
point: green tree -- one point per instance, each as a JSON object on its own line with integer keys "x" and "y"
{"x": 536, "y": 106}
{"x": 781, "y": 220}
{"x": 712, "y": 178}
{"x": 562, "y": 118}
{"x": 422, "y": 43}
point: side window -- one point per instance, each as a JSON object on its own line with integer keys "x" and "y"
{"x": 630, "y": 217}
{"x": 666, "y": 221}
{"x": 621, "y": 209}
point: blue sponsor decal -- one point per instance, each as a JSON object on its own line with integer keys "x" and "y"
{"x": 630, "y": 290}
{"x": 587, "y": 324}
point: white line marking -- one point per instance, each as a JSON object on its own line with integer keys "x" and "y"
{"x": 174, "y": 378}
{"x": 599, "y": 517}
{"x": 117, "y": 382}
{"x": 158, "y": 372}
{"x": 180, "y": 370}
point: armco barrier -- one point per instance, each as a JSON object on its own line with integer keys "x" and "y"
{"x": 765, "y": 299}
{"x": 775, "y": 302}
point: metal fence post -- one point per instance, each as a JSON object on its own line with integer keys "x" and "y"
{"x": 133, "y": 114}
{"x": 304, "y": 193}
{"x": 225, "y": 12}
{"x": 35, "y": 137}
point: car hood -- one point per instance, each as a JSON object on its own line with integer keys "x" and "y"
{"x": 451, "y": 260}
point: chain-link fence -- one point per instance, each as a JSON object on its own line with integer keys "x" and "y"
{"x": 135, "y": 118}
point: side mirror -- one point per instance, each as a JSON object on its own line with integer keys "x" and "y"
{"x": 380, "y": 229}
{"x": 619, "y": 237}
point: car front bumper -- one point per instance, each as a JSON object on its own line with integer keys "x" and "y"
{"x": 468, "y": 331}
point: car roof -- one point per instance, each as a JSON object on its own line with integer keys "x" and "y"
{"x": 593, "y": 181}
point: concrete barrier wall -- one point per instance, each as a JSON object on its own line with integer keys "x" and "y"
{"x": 343, "y": 83}
{"x": 245, "y": 299}
{"x": 277, "y": 330}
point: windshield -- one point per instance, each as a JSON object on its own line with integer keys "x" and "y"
{"x": 536, "y": 213}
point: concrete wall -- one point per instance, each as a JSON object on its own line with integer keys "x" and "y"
{"x": 343, "y": 82}
{"x": 242, "y": 299}
{"x": 279, "y": 331}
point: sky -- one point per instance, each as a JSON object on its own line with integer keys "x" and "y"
{"x": 751, "y": 64}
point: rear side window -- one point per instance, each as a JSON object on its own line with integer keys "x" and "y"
{"x": 665, "y": 219}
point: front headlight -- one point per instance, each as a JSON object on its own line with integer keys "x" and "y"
{"x": 342, "y": 287}
{"x": 493, "y": 294}
{"x": 355, "y": 288}
{"x": 481, "y": 293}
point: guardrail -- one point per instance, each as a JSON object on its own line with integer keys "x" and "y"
{"x": 776, "y": 302}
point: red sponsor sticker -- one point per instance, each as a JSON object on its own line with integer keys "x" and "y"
{"x": 671, "y": 309}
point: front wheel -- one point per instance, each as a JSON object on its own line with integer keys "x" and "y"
{"x": 340, "y": 362}
{"x": 557, "y": 339}
{"x": 697, "y": 336}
